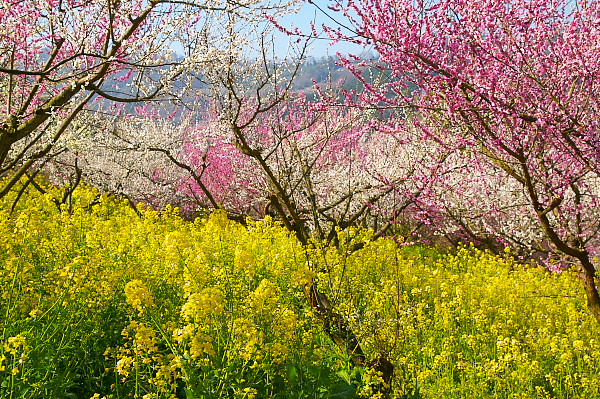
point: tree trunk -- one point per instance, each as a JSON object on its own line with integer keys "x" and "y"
{"x": 6, "y": 143}
{"x": 589, "y": 283}
{"x": 341, "y": 333}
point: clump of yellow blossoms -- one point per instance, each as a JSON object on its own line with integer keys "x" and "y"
{"x": 14, "y": 344}
{"x": 15, "y": 353}
{"x": 138, "y": 296}
{"x": 212, "y": 308}
{"x": 201, "y": 304}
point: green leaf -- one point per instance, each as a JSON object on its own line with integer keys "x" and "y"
{"x": 343, "y": 390}
{"x": 189, "y": 394}
{"x": 292, "y": 374}
{"x": 345, "y": 375}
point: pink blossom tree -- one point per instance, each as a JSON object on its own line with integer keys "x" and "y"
{"x": 513, "y": 88}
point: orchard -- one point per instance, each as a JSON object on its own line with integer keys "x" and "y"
{"x": 179, "y": 219}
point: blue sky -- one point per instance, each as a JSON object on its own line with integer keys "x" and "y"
{"x": 320, "y": 47}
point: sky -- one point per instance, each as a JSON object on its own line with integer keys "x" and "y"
{"x": 320, "y": 47}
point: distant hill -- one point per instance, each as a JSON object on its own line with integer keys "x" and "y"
{"x": 325, "y": 71}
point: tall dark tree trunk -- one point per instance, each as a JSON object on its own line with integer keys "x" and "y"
{"x": 588, "y": 272}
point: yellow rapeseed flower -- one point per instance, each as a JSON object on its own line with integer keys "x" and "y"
{"x": 138, "y": 296}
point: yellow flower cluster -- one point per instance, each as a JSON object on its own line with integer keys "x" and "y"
{"x": 374, "y": 385}
{"x": 138, "y": 296}
{"x": 13, "y": 344}
{"x": 17, "y": 350}
{"x": 155, "y": 306}
{"x": 201, "y": 304}
{"x": 471, "y": 322}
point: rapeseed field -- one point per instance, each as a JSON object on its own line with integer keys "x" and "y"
{"x": 99, "y": 300}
